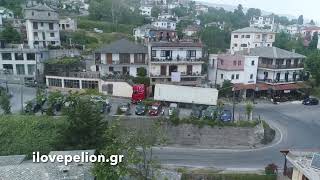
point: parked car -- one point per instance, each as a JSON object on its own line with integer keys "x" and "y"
{"x": 125, "y": 108}
{"x": 310, "y": 101}
{"x": 210, "y": 113}
{"x": 140, "y": 109}
{"x": 173, "y": 109}
{"x": 155, "y": 109}
{"x": 197, "y": 112}
{"x": 226, "y": 116}
{"x": 32, "y": 106}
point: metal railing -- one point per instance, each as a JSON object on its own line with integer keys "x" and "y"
{"x": 278, "y": 66}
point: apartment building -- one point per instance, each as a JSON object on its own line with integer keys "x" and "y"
{"x": 263, "y": 22}
{"x": 176, "y": 63}
{"x": 121, "y": 57}
{"x": 22, "y": 62}
{"x": 165, "y": 24}
{"x": 251, "y": 37}
{"x": 42, "y": 25}
{"x": 239, "y": 69}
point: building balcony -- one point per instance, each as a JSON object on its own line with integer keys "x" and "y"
{"x": 278, "y": 66}
{"x": 281, "y": 81}
{"x": 177, "y": 61}
{"x": 183, "y": 75}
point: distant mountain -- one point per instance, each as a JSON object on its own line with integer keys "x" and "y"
{"x": 228, "y": 7}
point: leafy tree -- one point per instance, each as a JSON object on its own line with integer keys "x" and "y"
{"x": 155, "y": 11}
{"x": 287, "y": 42}
{"x": 253, "y": 12}
{"x": 300, "y": 20}
{"x": 215, "y": 39}
{"x": 5, "y": 103}
{"x": 10, "y": 35}
{"x": 313, "y": 65}
{"x": 180, "y": 11}
{"x": 85, "y": 125}
{"x": 226, "y": 89}
{"x": 314, "y": 42}
{"x": 142, "y": 72}
{"x": 312, "y": 22}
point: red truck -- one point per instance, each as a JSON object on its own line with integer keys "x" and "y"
{"x": 139, "y": 93}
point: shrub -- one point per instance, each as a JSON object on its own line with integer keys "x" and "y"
{"x": 271, "y": 169}
{"x": 269, "y": 134}
{"x": 142, "y": 72}
{"x": 5, "y": 103}
{"x": 142, "y": 80}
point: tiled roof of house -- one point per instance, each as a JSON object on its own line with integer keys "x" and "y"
{"x": 271, "y": 52}
{"x": 252, "y": 30}
{"x": 123, "y": 46}
{"x": 40, "y": 7}
{"x": 27, "y": 170}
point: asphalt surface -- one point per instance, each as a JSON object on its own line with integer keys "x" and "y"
{"x": 299, "y": 126}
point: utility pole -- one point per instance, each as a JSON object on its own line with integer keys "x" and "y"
{"x": 21, "y": 93}
{"x": 233, "y": 103}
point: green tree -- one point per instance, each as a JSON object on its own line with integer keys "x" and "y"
{"x": 249, "y": 110}
{"x": 314, "y": 42}
{"x": 10, "y": 35}
{"x": 142, "y": 72}
{"x": 226, "y": 89}
{"x": 312, "y": 22}
{"x": 180, "y": 11}
{"x": 215, "y": 39}
{"x": 253, "y": 12}
{"x": 300, "y": 20}
{"x": 5, "y": 103}
{"x": 155, "y": 11}
{"x": 313, "y": 65}
{"x": 85, "y": 125}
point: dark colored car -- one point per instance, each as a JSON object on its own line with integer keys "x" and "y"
{"x": 32, "y": 106}
{"x": 310, "y": 101}
{"x": 196, "y": 112}
{"x": 210, "y": 113}
{"x": 155, "y": 109}
{"x": 140, "y": 109}
{"x": 226, "y": 116}
{"x": 125, "y": 108}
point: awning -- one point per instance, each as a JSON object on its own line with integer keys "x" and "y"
{"x": 265, "y": 87}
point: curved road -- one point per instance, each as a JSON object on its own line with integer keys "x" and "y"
{"x": 299, "y": 126}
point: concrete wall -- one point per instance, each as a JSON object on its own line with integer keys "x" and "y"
{"x": 120, "y": 89}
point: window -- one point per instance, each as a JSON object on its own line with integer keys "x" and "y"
{"x": 32, "y": 13}
{"x": 251, "y": 76}
{"x": 90, "y": 85}
{"x": 67, "y": 25}
{"x": 6, "y": 56}
{"x": 18, "y": 56}
{"x": 124, "y": 58}
{"x": 163, "y": 53}
{"x": 51, "y": 34}
{"x": 252, "y": 63}
{"x": 55, "y": 82}
{"x": 139, "y": 58}
{"x": 153, "y": 53}
{"x": 9, "y": 68}
{"x": 191, "y": 53}
{"x": 237, "y": 76}
{"x": 271, "y": 37}
{"x": 31, "y": 69}
{"x": 49, "y": 14}
{"x": 235, "y": 45}
{"x": 35, "y": 25}
{"x": 221, "y": 61}
{"x": 221, "y": 75}
{"x": 257, "y": 36}
{"x": 51, "y": 26}
{"x": 268, "y": 45}
{"x": 244, "y": 45}
{"x": 242, "y": 36}
{"x": 247, "y": 36}
{"x": 256, "y": 45}
{"x": 232, "y": 76}
{"x": 234, "y": 63}
{"x": 71, "y": 83}
{"x": 35, "y": 34}
{"x": 31, "y": 56}
{"x": 235, "y": 36}
{"x": 20, "y": 69}
{"x": 41, "y": 24}
{"x": 53, "y": 42}
{"x": 111, "y": 69}
{"x": 239, "y": 63}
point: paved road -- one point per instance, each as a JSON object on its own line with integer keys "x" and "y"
{"x": 300, "y": 127}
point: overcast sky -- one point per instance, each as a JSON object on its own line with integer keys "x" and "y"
{"x": 309, "y": 8}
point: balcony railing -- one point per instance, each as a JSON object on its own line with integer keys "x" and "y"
{"x": 183, "y": 74}
{"x": 278, "y": 66}
{"x": 177, "y": 60}
{"x": 281, "y": 81}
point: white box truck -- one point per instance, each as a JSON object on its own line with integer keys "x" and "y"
{"x": 186, "y": 94}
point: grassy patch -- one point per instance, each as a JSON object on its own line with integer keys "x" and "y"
{"x": 107, "y": 27}
{"x": 269, "y": 134}
{"x": 228, "y": 176}
{"x": 26, "y": 134}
